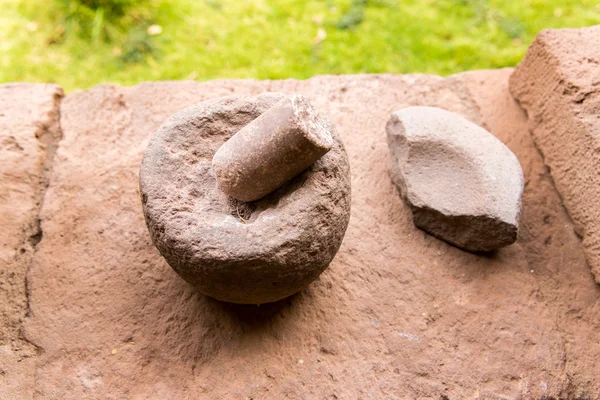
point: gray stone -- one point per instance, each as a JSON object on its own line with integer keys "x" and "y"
{"x": 272, "y": 149}
{"x": 235, "y": 251}
{"x": 462, "y": 184}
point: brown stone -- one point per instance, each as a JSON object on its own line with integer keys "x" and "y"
{"x": 462, "y": 184}
{"x": 28, "y": 137}
{"x": 272, "y": 149}
{"x": 558, "y": 83}
{"x": 398, "y": 314}
{"x": 249, "y": 253}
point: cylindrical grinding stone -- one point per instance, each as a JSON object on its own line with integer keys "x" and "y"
{"x": 272, "y": 149}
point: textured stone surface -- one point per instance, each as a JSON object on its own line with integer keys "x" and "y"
{"x": 272, "y": 149}
{"x": 558, "y": 83}
{"x": 28, "y": 136}
{"x": 398, "y": 314}
{"x": 250, "y": 253}
{"x": 462, "y": 184}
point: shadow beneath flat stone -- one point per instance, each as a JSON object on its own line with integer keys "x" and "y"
{"x": 491, "y": 254}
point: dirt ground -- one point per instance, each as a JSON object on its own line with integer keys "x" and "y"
{"x": 398, "y": 314}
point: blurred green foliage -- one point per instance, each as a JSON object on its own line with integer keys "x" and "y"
{"x": 354, "y": 16}
{"x": 95, "y": 20}
{"x": 81, "y": 43}
{"x": 106, "y": 21}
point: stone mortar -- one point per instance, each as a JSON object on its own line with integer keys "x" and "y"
{"x": 235, "y": 251}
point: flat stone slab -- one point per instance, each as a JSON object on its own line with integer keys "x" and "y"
{"x": 398, "y": 313}
{"x": 248, "y": 253}
{"x": 462, "y": 184}
{"x": 558, "y": 83}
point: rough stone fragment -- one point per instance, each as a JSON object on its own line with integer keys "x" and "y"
{"x": 239, "y": 252}
{"x": 272, "y": 149}
{"x": 29, "y": 134}
{"x": 558, "y": 83}
{"x": 462, "y": 184}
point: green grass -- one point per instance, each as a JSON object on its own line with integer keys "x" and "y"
{"x": 51, "y": 41}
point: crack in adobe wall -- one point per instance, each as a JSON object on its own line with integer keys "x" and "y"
{"x": 48, "y": 135}
{"x": 29, "y": 136}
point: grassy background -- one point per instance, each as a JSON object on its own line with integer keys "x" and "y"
{"x": 81, "y": 43}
